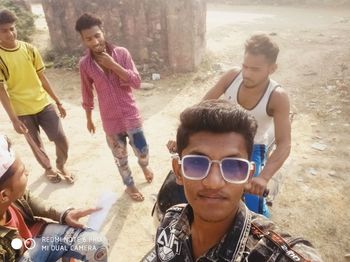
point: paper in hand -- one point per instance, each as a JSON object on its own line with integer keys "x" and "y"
{"x": 105, "y": 201}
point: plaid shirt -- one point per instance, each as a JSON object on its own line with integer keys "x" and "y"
{"x": 251, "y": 238}
{"x": 118, "y": 109}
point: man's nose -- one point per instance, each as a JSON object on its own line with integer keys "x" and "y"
{"x": 246, "y": 73}
{"x": 214, "y": 179}
{"x": 95, "y": 41}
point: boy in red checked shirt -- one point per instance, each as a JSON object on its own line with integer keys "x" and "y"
{"x": 110, "y": 70}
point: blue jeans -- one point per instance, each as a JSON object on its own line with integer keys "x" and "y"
{"x": 59, "y": 241}
{"x": 256, "y": 203}
{"x": 118, "y": 145}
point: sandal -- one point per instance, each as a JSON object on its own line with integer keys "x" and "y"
{"x": 52, "y": 176}
{"x": 68, "y": 177}
{"x": 134, "y": 194}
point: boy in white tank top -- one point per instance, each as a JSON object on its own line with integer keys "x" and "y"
{"x": 252, "y": 88}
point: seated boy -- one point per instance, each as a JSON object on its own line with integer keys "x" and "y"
{"x": 31, "y": 230}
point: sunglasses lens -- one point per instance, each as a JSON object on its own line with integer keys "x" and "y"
{"x": 235, "y": 170}
{"x": 195, "y": 167}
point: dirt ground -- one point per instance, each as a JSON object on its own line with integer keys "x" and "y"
{"x": 313, "y": 199}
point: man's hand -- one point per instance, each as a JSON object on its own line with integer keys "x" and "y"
{"x": 61, "y": 110}
{"x": 256, "y": 186}
{"x": 73, "y": 216}
{"x": 171, "y": 145}
{"x": 105, "y": 60}
{"x": 19, "y": 126}
{"x": 91, "y": 127}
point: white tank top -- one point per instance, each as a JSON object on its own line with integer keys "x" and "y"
{"x": 265, "y": 133}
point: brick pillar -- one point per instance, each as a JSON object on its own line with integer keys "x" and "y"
{"x": 186, "y": 27}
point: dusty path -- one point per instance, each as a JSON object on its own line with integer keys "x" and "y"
{"x": 314, "y": 198}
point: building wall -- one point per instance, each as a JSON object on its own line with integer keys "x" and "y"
{"x": 285, "y": 2}
{"x": 158, "y": 33}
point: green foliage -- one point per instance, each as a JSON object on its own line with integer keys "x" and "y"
{"x": 25, "y": 23}
{"x": 67, "y": 61}
{"x": 55, "y": 59}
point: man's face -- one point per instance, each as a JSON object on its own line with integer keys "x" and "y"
{"x": 256, "y": 70}
{"x": 93, "y": 39}
{"x": 8, "y": 35}
{"x": 212, "y": 198}
{"x": 19, "y": 180}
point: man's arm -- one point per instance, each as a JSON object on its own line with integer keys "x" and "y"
{"x": 41, "y": 208}
{"x": 47, "y": 86}
{"x": 5, "y": 100}
{"x": 279, "y": 107}
{"x": 216, "y": 91}
{"x": 88, "y": 97}
{"x": 89, "y": 122}
{"x": 69, "y": 216}
{"x": 107, "y": 61}
{"x": 126, "y": 71}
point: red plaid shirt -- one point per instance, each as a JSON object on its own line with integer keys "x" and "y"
{"x": 118, "y": 108}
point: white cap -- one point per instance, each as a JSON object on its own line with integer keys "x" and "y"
{"x": 7, "y": 157}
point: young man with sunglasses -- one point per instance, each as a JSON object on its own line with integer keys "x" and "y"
{"x": 33, "y": 231}
{"x": 214, "y": 145}
{"x": 251, "y": 87}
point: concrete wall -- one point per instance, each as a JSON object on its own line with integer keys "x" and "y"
{"x": 158, "y": 33}
{"x": 285, "y": 2}
{"x": 186, "y": 33}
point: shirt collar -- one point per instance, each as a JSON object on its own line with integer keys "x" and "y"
{"x": 232, "y": 244}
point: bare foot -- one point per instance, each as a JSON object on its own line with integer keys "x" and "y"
{"x": 52, "y": 176}
{"x": 134, "y": 193}
{"x": 69, "y": 177}
{"x": 148, "y": 174}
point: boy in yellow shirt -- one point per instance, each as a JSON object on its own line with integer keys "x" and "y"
{"x": 26, "y": 94}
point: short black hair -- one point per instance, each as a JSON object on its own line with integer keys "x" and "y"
{"x": 7, "y": 17}
{"x": 216, "y": 116}
{"x": 262, "y": 44}
{"x": 86, "y": 21}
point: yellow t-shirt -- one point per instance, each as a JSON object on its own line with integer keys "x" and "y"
{"x": 18, "y": 69}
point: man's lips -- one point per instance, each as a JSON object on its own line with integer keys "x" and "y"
{"x": 99, "y": 48}
{"x": 212, "y": 196}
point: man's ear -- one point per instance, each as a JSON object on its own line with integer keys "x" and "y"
{"x": 4, "y": 195}
{"x": 82, "y": 39}
{"x": 273, "y": 68}
{"x": 177, "y": 171}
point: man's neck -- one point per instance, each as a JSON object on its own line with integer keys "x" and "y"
{"x": 3, "y": 215}
{"x": 9, "y": 45}
{"x": 258, "y": 88}
{"x": 205, "y": 235}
